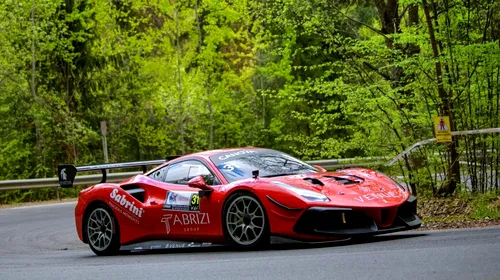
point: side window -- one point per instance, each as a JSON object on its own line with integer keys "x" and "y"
{"x": 202, "y": 170}
{"x": 159, "y": 174}
{"x": 180, "y": 173}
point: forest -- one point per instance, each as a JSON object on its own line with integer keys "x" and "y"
{"x": 318, "y": 79}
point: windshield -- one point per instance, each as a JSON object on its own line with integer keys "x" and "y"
{"x": 237, "y": 165}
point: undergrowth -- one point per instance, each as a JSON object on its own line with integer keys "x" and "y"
{"x": 460, "y": 207}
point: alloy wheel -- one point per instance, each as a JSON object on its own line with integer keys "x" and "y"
{"x": 245, "y": 220}
{"x": 99, "y": 229}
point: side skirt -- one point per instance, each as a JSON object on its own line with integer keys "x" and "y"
{"x": 165, "y": 244}
{"x": 170, "y": 244}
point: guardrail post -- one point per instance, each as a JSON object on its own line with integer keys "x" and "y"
{"x": 57, "y": 193}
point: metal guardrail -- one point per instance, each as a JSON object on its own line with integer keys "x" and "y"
{"x": 121, "y": 176}
{"x": 54, "y": 182}
{"x": 329, "y": 163}
{"x": 427, "y": 141}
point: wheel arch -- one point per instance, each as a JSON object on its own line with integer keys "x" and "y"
{"x": 241, "y": 189}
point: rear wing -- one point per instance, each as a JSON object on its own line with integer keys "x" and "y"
{"x": 67, "y": 172}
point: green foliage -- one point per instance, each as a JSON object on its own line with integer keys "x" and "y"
{"x": 486, "y": 206}
{"x": 318, "y": 79}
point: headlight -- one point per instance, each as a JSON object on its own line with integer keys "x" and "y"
{"x": 313, "y": 196}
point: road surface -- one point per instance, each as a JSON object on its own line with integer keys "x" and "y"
{"x": 40, "y": 242}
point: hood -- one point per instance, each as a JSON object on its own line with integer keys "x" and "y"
{"x": 350, "y": 187}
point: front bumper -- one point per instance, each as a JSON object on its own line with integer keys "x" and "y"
{"x": 328, "y": 221}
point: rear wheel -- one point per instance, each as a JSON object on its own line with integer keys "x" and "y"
{"x": 102, "y": 231}
{"x": 245, "y": 221}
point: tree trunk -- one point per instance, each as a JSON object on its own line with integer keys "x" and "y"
{"x": 33, "y": 87}
{"x": 388, "y": 13}
{"x": 179, "y": 80}
{"x": 207, "y": 81}
{"x": 446, "y": 109}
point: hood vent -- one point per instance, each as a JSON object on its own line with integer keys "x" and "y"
{"x": 346, "y": 180}
{"x": 314, "y": 181}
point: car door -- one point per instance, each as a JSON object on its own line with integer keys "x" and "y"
{"x": 185, "y": 213}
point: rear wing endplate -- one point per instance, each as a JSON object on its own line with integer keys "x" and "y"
{"x": 67, "y": 172}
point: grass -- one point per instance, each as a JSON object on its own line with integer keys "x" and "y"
{"x": 486, "y": 206}
{"x": 456, "y": 218}
{"x": 459, "y": 208}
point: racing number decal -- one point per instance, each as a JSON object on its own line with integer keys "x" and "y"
{"x": 195, "y": 203}
{"x": 182, "y": 201}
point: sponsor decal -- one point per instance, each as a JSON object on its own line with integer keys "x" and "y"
{"x": 119, "y": 209}
{"x": 176, "y": 245}
{"x": 182, "y": 201}
{"x": 165, "y": 219}
{"x": 169, "y": 245}
{"x": 365, "y": 189}
{"x": 66, "y": 174}
{"x": 120, "y": 203}
{"x": 193, "y": 244}
{"x": 380, "y": 195}
{"x": 239, "y": 153}
{"x": 64, "y": 177}
{"x": 191, "y": 229}
{"x": 185, "y": 219}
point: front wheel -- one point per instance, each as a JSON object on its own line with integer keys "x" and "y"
{"x": 102, "y": 231}
{"x": 245, "y": 221}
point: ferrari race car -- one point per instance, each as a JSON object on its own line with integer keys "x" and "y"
{"x": 239, "y": 197}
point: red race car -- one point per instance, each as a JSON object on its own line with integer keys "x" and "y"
{"x": 239, "y": 197}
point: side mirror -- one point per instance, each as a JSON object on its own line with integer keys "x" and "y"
{"x": 198, "y": 183}
{"x": 321, "y": 169}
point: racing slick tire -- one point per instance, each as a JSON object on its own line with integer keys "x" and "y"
{"x": 102, "y": 231}
{"x": 245, "y": 222}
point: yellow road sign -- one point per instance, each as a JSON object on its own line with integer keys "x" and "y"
{"x": 442, "y": 129}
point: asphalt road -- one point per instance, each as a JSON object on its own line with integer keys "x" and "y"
{"x": 41, "y": 243}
